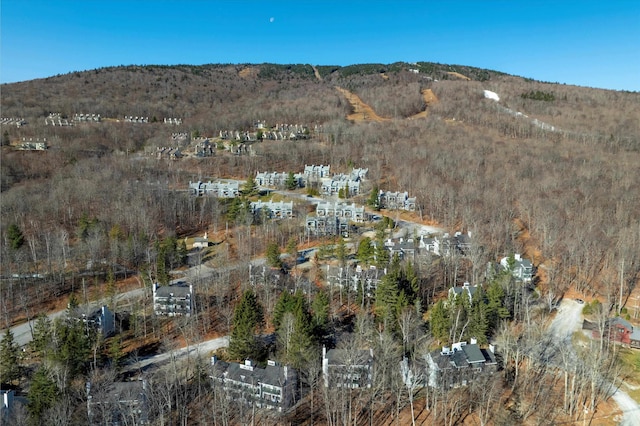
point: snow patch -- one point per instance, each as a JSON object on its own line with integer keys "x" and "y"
{"x": 491, "y": 95}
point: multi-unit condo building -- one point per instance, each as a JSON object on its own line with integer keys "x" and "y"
{"x": 396, "y": 201}
{"x": 447, "y": 245}
{"x": 347, "y": 368}
{"x": 521, "y": 269}
{"x": 314, "y": 172}
{"x": 173, "y": 300}
{"x": 121, "y": 403}
{"x": 101, "y": 319}
{"x": 459, "y": 364}
{"x": 215, "y": 189}
{"x": 272, "y": 209}
{"x": 340, "y": 185}
{"x": 272, "y": 387}
{"x": 334, "y": 218}
{"x": 278, "y": 180}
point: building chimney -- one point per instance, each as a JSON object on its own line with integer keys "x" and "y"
{"x": 517, "y": 257}
{"x": 214, "y": 359}
{"x": 474, "y": 341}
{"x": 492, "y": 348}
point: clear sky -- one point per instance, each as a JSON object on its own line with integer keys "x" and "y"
{"x": 587, "y": 43}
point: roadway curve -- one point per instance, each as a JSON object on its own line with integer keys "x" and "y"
{"x": 569, "y": 320}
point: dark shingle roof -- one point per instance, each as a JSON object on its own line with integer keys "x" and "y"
{"x": 473, "y": 353}
{"x": 178, "y": 290}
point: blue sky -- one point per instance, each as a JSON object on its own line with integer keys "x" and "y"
{"x": 586, "y": 43}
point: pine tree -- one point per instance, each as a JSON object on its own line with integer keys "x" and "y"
{"x": 247, "y": 320}
{"x": 283, "y": 305}
{"x": 295, "y": 329}
{"x": 382, "y": 254}
{"x": 15, "y": 237}
{"x": 41, "y": 335}
{"x": 374, "y": 201}
{"x": 440, "y": 322}
{"x": 115, "y": 351}
{"x": 320, "y": 310}
{"x": 9, "y": 358}
{"x": 250, "y": 187}
{"x": 73, "y": 341}
{"x": 365, "y": 251}
{"x": 42, "y": 394}
{"x": 386, "y": 302}
{"x": 479, "y": 321}
{"x": 291, "y": 183}
{"x": 273, "y": 255}
{"x": 292, "y": 251}
{"x": 495, "y": 305}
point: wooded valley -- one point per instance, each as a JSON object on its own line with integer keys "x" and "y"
{"x": 548, "y": 171}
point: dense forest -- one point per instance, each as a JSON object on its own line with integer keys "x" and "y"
{"x": 548, "y": 170}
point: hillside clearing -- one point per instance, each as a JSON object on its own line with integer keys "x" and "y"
{"x": 361, "y": 111}
{"x": 429, "y": 99}
{"x": 460, "y": 76}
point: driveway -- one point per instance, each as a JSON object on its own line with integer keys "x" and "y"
{"x": 569, "y": 320}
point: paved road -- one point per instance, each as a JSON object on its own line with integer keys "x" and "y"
{"x": 22, "y": 333}
{"x": 568, "y": 321}
{"x": 197, "y": 350}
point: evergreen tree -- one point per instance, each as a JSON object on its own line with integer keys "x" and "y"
{"x": 283, "y": 305}
{"x": 250, "y": 187}
{"x": 9, "y": 358}
{"x": 247, "y": 321}
{"x": 295, "y": 330}
{"x": 72, "y": 341}
{"x": 382, "y": 254}
{"x": 479, "y": 321}
{"x": 273, "y": 255}
{"x": 15, "y": 237}
{"x": 320, "y": 310}
{"x": 291, "y": 183}
{"x": 386, "y": 303}
{"x": 115, "y": 351}
{"x": 496, "y": 310}
{"x": 292, "y": 251}
{"x": 440, "y": 322}
{"x": 341, "y": 251}
{"x": 374, "y": 201}
{"x": 237, "y": 210}
{"x": 365, "y": 251}
{"x": 42, "y": 394}
{"x": 41, "y": 335}
{"x": 162, "y": 275}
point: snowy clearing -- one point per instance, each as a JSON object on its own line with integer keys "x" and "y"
{"x": 491, "y": 95}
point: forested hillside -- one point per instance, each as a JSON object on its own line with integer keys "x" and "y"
{"x": 548, "y": 170}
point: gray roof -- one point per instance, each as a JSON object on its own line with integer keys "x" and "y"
{"x": 270, "y": 375}
{"x": 621, "y": 321}
{"x": 473, "y": 353}
{"x": 178, "y": 290}
{"x": 462, "y": 358}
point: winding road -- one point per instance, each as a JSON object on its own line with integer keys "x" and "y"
{"x": 569, "y": 320}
